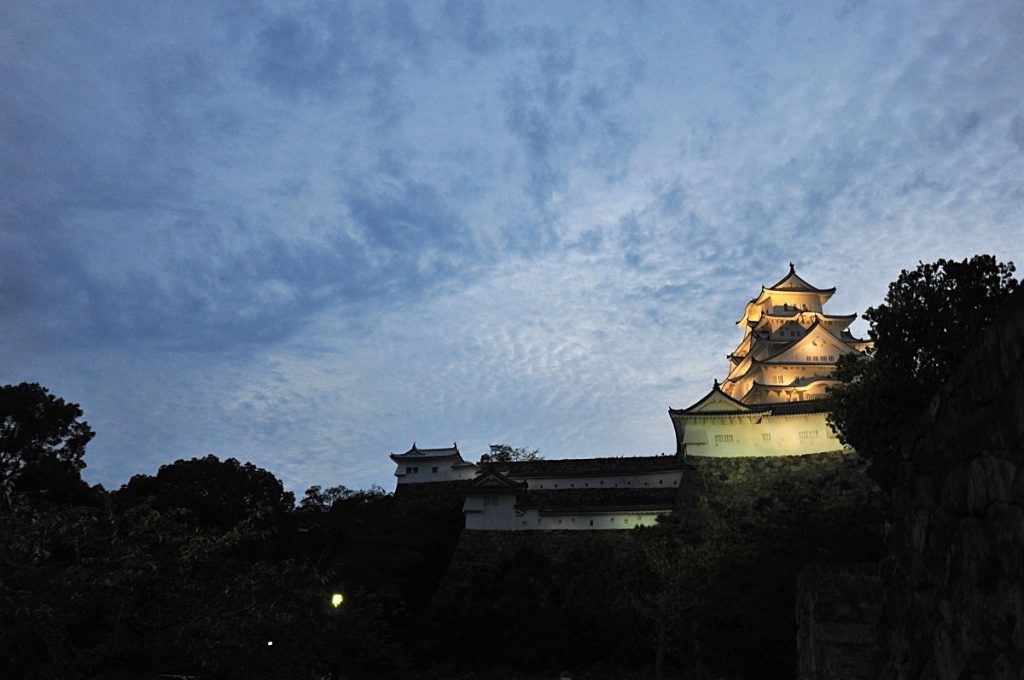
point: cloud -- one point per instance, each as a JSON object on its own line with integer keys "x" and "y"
{"x": 309, "y": 234}
{"x": 466, "y": 22}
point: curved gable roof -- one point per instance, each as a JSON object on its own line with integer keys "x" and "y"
{"x": 814, "y": 331}
{"x": 792, "y": 282}
{"x": 420, "y": 454}
{"x": 715, "y": 401}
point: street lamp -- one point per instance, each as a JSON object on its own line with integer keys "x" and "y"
{"x": 337, "y": 599}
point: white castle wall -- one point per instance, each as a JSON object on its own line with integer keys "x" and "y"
{"x": 440, "y": 470}
{"x": 758, "y": 435}
{"x": 490, "y": 511}
{"x": 532, "y": 520}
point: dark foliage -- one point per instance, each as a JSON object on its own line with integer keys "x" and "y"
{"x": 929, "y": 318}
{"x": 42, "y": 442}
{"x": 195, "y": 569}
{"x": 214, "y": 493}
{"x": 503, "y": 453}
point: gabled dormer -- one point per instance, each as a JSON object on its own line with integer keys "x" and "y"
{"x": 715, "y": 402}
{"x": 491, "y": 501}
{"x": 816, "y": 345}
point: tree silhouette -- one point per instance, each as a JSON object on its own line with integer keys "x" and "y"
{"x": 42, "y": 442}
{"x": 928, "y": 321}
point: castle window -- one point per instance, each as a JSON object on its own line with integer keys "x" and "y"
{"x": 766, "y": 436}
{"x": 490, "y": 500}
{"x": 408, "y": 470}
{"x": 434, "y": 470}
{"x": 591, "y": 522}
{"x": 723, "y": 439}
{"x": 808, "y": 434}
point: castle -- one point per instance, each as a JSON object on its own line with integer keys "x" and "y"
{"x": 771, "y": 403}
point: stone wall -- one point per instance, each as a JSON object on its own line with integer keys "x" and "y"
{"x": 955, "y": 603}
{"x": 838, "y": 609}
{"x": 743, "y": 476}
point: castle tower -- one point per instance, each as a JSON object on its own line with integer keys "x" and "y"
{"x": 790, "y": 344}
{"x": 772, "y": 400}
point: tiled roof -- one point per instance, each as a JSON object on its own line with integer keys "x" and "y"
{"x": 492, "y": 480}
{"x": 791, "y": 408}
{"x": 418, "y": 453}
{"x": 589, "y": 466}
{"x": 797, "y": 284}
{"x": 714, "y": 389}
{"x": 788, "y": 408}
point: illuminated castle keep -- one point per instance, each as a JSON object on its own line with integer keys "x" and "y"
{"x": 771, "y": 402}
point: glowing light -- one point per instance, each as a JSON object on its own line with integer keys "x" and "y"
{"x": 270, "y": 643}
{"x": 337, "y": 599}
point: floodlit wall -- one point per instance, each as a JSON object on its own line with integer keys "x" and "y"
{"x": 532, "y": 520}
{"x": 501, "y": 515}
{"x": 757, "y": 435}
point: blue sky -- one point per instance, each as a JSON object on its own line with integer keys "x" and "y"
{"x": 307, "y": 234}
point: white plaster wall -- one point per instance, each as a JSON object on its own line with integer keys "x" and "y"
{"x": 784, "y": 436}
{"x": 531, "y": 520}
{"x": 794, "y": 299}
{"x": 499, "y": 516}
{"x": 423, "y": 471}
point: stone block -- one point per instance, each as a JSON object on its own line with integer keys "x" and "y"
{"x": 1017, "y": 489}
{"x": 974, "y": 549}
{"x": 989, "y": 479}
{"x": 953, "y": 496}
{"x": 924, "y": 491}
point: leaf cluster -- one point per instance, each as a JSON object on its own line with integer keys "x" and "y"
{"x": 922, "y": 330}
{"x": 504, "y": 453}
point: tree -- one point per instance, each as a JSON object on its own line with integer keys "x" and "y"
{"x": 928, "y": 321}
{"x": 503, "y": 453}
{"x": 317, "y": 498}
{"x": 215, "y": 493}
{"x": 42, "y": 442}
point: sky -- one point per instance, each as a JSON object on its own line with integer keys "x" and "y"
{"x": 306, "y": 235}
